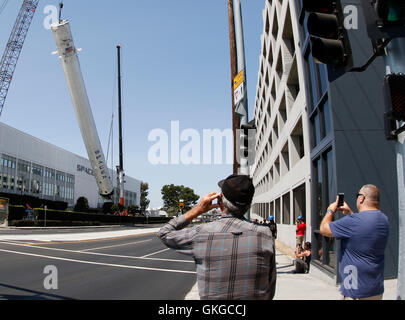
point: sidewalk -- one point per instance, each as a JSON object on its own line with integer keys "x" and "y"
{"x": 291, "y": 286}
{"x": 79, "y": 236}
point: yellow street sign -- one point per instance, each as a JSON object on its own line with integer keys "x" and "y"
{"x": 238, "y": 80}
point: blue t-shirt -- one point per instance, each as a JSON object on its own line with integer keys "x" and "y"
{"x": 361, "y": 260}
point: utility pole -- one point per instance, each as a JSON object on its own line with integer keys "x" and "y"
{"x": 234, "y": 72}
{"x": 121, "y": 166}
{"x": 395, "y": 62}
{"x": 242, "y": 106}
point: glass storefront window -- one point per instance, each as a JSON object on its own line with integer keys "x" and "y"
{"x": 330, "y": 250}
{"x": 319, "y": 187}
{"x": 330, "y": 182}
{"x": 325, "y": 192}
{"x": 319, "y": 241}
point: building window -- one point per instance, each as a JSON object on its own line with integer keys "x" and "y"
{"x": 49, "y": 173}
{"x": 299, "y": 202}
{"x": 8, "y": 162}
{"x": 326, "y": 117}
{"x": 312, "y": 81}
{"x": 316, "y": 129}
{"x": 277, "y": 210}
{"x": 37, "y": 170}
{"x": 321, "y": 122}
{"x": 317, "y": 80}
{"x": 60, "y": 176}
{"x": 4, "y": 181}
{"x": 323, "y": 78}
{"x": 36, "y": 186}
{"x": 23, "y": 167}
{"x": 286, "y": 209}
{"x": 324, "y": 179}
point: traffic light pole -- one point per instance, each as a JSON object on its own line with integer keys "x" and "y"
{"x": 242, "y": 107}
{"x": 395, "y": 62}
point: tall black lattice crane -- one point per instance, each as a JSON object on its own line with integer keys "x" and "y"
{"x": 14, "y": 47}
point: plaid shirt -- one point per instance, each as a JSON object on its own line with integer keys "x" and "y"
{"x": 235, "y": 258}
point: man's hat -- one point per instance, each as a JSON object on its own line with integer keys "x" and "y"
{"x": 299, "y": 218}
{"x": 271, "y": 218}
{"x": 238, "y": 189}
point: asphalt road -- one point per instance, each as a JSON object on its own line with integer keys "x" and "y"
{"x": 132, "y": 267}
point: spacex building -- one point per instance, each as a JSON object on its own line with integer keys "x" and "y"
{"x": 34, "y": 167}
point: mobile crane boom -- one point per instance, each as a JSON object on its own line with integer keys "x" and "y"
{"x": 14, "y": 46}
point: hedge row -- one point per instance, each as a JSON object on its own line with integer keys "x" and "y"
{"x": 33, "y": 202}
{"x": 52, "y": 223}
{"x": 18, "y": 214}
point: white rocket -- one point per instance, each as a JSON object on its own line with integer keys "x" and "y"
{"x": 70, "y": 62}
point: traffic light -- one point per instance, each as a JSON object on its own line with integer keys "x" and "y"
{"x": 329, "y": 40}
{"x": 247, "y": 146}
{"x": 384, "y": 18}
{"x": 394, "y": 87}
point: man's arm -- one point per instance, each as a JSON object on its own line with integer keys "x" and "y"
{"x": 328, "y": 218}
{"x": 203, "y": 206}
{"x": 174, "y": 234}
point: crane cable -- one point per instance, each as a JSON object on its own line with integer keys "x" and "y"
{"x": 3, "y": 6}
{"x": 111, "y": 134}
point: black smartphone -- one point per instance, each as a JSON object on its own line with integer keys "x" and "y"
{"x": 219, "y": 200}
{"x": 341, "y": 199}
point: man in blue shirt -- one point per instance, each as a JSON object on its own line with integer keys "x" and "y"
{"x": 363, "y": 238}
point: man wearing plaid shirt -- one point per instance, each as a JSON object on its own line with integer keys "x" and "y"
{"x": 235, "y": 258}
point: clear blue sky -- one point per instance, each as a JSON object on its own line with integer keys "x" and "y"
{"x": 176, "y": 66}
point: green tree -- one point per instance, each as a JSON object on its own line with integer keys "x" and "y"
{"x": 82, "y": 205}
{"x": 133, "y": 209}
{"x": 117, "y": 207}
{"x": 171, "y": 195}
{"x": 144, "y": 197}
{"x": 107, "y": 207}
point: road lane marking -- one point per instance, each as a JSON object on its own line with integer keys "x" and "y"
{"x": 42, "y": 242}
{"x": 151, "y": 254}
{"x": 97, "y": 253}
{"x": 96, "y": 263}
{"x": 116, "y": 245}
{"x": 80, "y": 236}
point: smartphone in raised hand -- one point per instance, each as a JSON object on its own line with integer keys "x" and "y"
{"x": 341, "y": 199}
{"x": 219, "y": 200}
